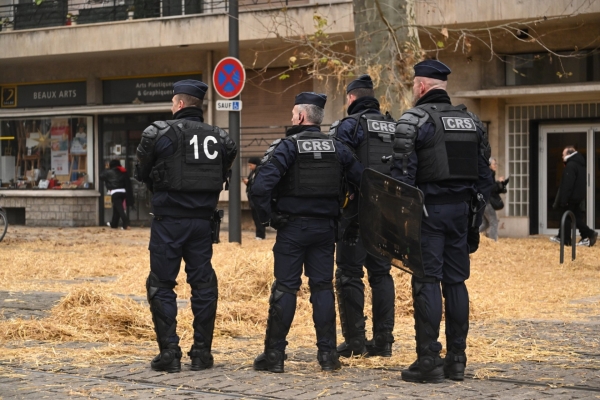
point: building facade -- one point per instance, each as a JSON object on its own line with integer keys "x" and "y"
{"x": 81, "y": 79}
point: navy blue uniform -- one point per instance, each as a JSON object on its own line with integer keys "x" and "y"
{"x": 443, "y": 242}
{"x": 308, "y": 240}
{"x": 351, "y": 256}
{"x": 181, "y": 229}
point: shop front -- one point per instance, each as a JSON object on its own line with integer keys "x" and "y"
{"x": 53, "y": 146}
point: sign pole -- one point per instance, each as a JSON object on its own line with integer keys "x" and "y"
{"x": 235, "y": 207}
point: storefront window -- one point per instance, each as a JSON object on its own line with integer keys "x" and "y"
{"x": 46, "y": 153}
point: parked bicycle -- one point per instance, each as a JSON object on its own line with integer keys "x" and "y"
{"x": 3, "y": 222}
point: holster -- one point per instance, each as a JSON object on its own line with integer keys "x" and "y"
{"x": 476, "y": 205}
{"x": 215, "y": 225}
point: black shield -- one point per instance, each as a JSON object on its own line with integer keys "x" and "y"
{"x": 389, "y": 214}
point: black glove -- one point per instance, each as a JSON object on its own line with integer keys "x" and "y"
{"x": 278, "y": 221}
{"x": 351, "y": 235}
{"x": 473, "y": 239}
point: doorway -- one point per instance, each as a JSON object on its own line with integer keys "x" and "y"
{"x": 120, "y": 137}
{"x": 553, "y": 139}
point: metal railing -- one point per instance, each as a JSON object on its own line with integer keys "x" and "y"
{"x": 567, "y": 214}
{"x": 47, "y": 13}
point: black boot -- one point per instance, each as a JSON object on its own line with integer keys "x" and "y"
{"x": 204, "y": 323}
{"x": 351, "y": 301}
{"x": 169, "y": 359}
{"x": 271, "y": 360}
{"x": 454, "y": 364}
{"x": 165, "y": 326}
{"x": 381, "y": 344}
{"x": 429, "y": 368}
{"x": 457, "y": 329}
{"x": 329, "y": 360}
{"x": 427, "y": 303}
{"x": 200, "y": 356}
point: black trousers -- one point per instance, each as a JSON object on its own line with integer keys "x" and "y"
{"x": 260, "y": 228}
{"x": 584, "y": 230}
{"x": 119, "y": 211}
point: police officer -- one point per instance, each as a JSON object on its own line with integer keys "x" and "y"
{"x": 442, "y": 149}
{"x": 303, "y": 174}
{"x": 185, "y": 163}
{"x": 369, "y": 133}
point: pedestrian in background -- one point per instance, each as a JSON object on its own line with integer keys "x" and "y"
{"x": 489, "y": 226}
{"x": 117, "y": 182}
{"x": 572, "y": 193}
{"x": 253, "y": 162}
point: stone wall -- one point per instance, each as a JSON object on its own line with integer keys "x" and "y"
{"x": 55, "y": 211}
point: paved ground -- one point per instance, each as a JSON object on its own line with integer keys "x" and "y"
{"x": 560, "y": 378}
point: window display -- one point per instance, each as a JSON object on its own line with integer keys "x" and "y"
{"x": 46, "y": 153}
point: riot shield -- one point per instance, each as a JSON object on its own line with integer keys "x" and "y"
{"x": 389, "y": 214}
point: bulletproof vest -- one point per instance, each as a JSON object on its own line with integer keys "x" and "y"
{"x": 453, "y": 151}
{"x": 196, "y": 165}
{"x": 379, "y": 137}
{"x": 316, "y": 171}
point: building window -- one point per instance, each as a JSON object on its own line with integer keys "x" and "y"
{"x": 546, "y": 68}
{"x": 518, "y": 145}
{"x": 46, "y": 153}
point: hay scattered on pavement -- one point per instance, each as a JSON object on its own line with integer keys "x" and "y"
{"x": 103, "y": 273}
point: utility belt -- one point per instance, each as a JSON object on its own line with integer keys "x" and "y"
{"x": 295, "y": 217}
{"x": 448, "y": 199}
{"x": 213, "y": 216}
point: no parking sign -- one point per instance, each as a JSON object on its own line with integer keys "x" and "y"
{"x": 229, "y": 77}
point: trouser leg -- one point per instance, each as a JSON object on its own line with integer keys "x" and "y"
{"x": 383, "y": 306}
{"x": 117, "y": 200}
{"x": 427, "y": 302}
{"x": 282, "y": 307}
{"x": 351, "y": 303}
{"x": 165, "y": 326}
{"x": 260, "y": 228}
{"x": 457, "y": 329}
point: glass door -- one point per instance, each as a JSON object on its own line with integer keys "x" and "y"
{"x": 553, "y": 140}
{"x": 121, "y": 135}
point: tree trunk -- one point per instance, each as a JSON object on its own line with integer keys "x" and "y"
{"x": 387, "y": 47}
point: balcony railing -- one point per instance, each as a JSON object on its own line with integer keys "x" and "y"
{"x": 47, "y": 13}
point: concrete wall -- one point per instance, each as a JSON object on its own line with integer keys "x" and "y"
{"x": 55, "y": 211}
{"x": 457, "y": 12}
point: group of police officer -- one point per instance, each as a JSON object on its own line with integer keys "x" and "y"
{"x": 302, "y": 183}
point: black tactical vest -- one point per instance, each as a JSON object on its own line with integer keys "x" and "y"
{"x": 453, "y": 151}
{"x": 316, "y": 172}
{"x": 196, "y": 165}
{"x": 379, "y": 137}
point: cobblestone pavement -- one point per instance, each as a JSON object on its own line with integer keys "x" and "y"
{"x": 573, "y": 375}
{"x": 559, "y": 378}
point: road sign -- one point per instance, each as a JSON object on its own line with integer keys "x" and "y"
{"x": 229, "y": 77}
{"x": 229, "y": 105}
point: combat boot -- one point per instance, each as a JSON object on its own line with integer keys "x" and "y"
{"x": 329, "y": 360}
{"x": 454, "y": 364}
{"x": 429, "y": 368}
{"x": 350, "y": 299}
{"x": 169, "y": 359}
{"x": 271, "y": 360}
{"x": 380, "y": 345}
{"x": 200, "y": 356}
{"x": 353, "y": 347}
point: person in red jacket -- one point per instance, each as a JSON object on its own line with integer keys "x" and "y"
{"x": 118, "y": 185}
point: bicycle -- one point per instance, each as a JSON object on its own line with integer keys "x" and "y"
{"x": 3, "y": 223}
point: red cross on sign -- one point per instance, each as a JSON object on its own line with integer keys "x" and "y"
{"x": 229, "y": 77}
